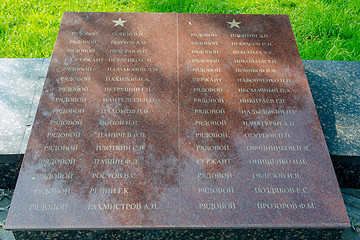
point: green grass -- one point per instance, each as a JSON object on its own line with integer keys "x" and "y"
{"x": 324, "y": 29}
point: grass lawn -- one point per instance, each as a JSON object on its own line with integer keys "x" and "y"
{"x": 324, "y": 29}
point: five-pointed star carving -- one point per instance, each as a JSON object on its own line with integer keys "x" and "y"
{"x": 234, "y": 24}
{"x": 119, "y": 22}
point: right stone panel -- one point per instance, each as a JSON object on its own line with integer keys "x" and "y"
{"x": 251, "y": 145}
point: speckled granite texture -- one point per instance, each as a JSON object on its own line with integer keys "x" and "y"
{"x": 271, "y": 234}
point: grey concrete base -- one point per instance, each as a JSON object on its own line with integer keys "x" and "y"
{"x": 21, "y": 83}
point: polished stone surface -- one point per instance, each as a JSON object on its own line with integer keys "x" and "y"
{"x": 221, "y": 131}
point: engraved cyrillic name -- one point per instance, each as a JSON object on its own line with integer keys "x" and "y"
{"x": 113, "y": 175}
{"x": 255, "y": 70}
{"x": 109, "y": 190}
{"x": 127, "y": 89}
{"x": 276, "y": 175}
{"x": 120, "y": 135}
{"x": 278, "y": 190}
{"x": 277, "y": 148}
{"x": 123, "y": 206}
{"x": 264, "y": 61}
{"x": 285, "y": 206}
{"x": 264, "y": 90}
{"x": 61, "y": 148}
{"x": 277, "y": 161}
{"x": 267, "y": 135}
{"x": 264, "y": 80}
{"x": 130, "y": 69}
{"x": 126, "y": 79}
{"x": 56, "y": 161}
{"x": 64, "y": 135}
{"x": 248, "y": 52}
{"x": 128, "y": 100}
{"x": 129, "y": 60}
{"x": 120, "y": 148}
{"x": 249, "y": 35}
{"x": 267, "y": 123}
{"x": 259, "y": 100}
{"x": 121, "y": 42}
{"x": 127, "y": 51}
{"x": 252, "y": 44}
{"x": 268, "y": 112}
{"x": 114, "y": 161}
{"x": 118, "y": 123}
{"x": 135, "y": 34}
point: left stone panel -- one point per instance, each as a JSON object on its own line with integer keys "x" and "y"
{"x": 103, "y": 152}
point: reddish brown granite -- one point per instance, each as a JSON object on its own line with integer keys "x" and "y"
{"x": 152, "y": 120}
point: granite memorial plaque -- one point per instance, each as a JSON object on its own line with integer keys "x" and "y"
{"x": 166, "y": 120}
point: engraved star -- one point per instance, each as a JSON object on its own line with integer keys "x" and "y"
{"x": 234, "y": 24}
{"x": 119, "y": 22}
